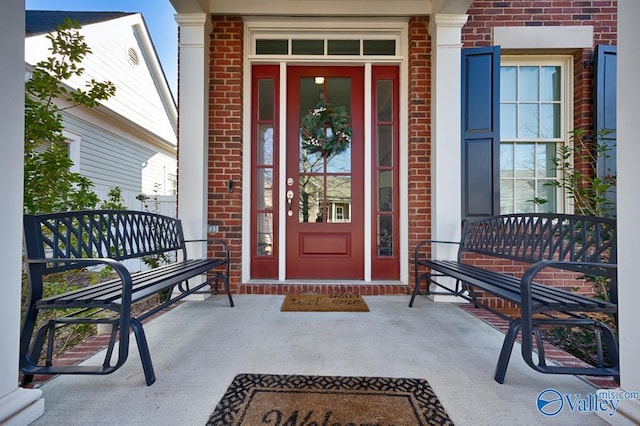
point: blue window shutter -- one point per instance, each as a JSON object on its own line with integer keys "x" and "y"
{"x": 605, "y": 109}
{"x": 480, "y": 132}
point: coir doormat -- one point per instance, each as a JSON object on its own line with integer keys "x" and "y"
{"x": 324, "y": 303}
{"x": 256, "y": 399}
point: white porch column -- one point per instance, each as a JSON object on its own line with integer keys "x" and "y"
{"x": 17, "y": 406}
{"x": 446, "y": 45}
{"x": 628, "y": 207}
{"x": 193, "y": 132}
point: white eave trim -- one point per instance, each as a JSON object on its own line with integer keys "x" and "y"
{"x": 319, "y": 8}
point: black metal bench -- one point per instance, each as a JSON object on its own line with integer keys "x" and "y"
{"x": 66, "y": 241}
{"x": 580, "y": 244}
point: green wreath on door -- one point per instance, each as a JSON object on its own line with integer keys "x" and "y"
{"x": 326, "y": 130}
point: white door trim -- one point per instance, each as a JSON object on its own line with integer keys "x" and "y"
{"x": 330, "y": 28}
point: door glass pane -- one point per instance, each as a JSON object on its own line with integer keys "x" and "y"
{"x": 310, "y": 162}
{"x": 325, "y": 177}
{"x": 384, "y": 101}
{"x": 339, "y": 163}
{"x": 265, "y": 144}
{"x": 265, "y": 100}
{"x": 339, "y": 92}
{"x": 338, "y": 199}
{"x": 385, "y": 146}
{"x": 385, "y": 235}
{"x": 385, "y": 190}
{"x": 311, "y": 199}
{"x": 311, "y": 92}
{"x": 264, "y": 189}
{"x": 265, "y": 234}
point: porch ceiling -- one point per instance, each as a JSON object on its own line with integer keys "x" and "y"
{"x": 326, "y": 7}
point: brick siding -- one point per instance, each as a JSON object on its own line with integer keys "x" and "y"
{"x": 602, "y": 16}
{"x": 225, "y": 107}
{"x": 225, "y": 137}
{"x": 419, "y": 167}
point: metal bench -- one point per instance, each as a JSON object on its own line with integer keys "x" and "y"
{"x": 60, "y": 242}
{"x": 579, "y": 244}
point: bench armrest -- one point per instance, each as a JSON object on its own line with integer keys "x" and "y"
{"x": 607, "y": 270}
{"x": 118, "y": 267}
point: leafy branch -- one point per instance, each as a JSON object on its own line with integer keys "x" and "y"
{"x": 589, "y": 190}
{"x": 49, "y": 185}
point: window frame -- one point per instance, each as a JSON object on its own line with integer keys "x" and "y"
{"x": 565, "y": 62}
{"x": 73, "y": 140}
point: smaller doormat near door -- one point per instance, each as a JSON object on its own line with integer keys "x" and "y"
{"x": 256, "y": 399}
{"x": 324, "y": 303}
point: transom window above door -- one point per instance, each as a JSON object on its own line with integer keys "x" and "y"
{"x": 339, "y": 39}
{"x": 325, "y": 47}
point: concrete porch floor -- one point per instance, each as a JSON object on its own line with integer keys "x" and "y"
{"x": 198, "y": 347}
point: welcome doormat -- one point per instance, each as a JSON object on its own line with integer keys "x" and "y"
{"x": 324, "y": 303}
{"x": 256, "y": 399}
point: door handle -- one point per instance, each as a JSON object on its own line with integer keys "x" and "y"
{"x": 289, "y": 203}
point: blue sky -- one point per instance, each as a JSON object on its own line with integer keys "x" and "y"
{"x": 158, "y": 15}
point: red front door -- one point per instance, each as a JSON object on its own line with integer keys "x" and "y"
{"x": 325, "y": 191}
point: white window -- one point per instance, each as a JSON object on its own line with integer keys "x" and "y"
{"x": 73, "y": 148}
{"x": 535, "y": 119}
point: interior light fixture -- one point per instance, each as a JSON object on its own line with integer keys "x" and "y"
{"x": 319, "y": 80}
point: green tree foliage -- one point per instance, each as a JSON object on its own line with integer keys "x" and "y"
{"x": 590, "y": 191}
{"x": 49, "y": 185}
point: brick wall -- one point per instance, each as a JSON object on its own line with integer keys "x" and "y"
{"x": 225, "y": 136}
{"x": 225, "y": 101}
{"x": 419, "y": 132}
{"x": 602, "y": 16}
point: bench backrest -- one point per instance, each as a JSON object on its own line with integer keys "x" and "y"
{"x": 540, "y": 236}
{"x": 115, "y": 234}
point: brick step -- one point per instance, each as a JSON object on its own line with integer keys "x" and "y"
{"x": 361, "y": 288}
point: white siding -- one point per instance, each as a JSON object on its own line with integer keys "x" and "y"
{"x": 130, "y": 141}
{"x": 137, "y": 95}
{"x": 113, "y": 159}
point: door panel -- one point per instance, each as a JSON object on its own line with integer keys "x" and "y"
{"x": 325, "y": 193}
